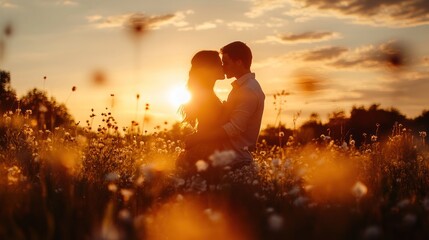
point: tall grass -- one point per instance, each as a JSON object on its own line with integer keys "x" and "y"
{"x": 74, "y": 184}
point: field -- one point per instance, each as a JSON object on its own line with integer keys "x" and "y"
{"x": 76, "y": 184}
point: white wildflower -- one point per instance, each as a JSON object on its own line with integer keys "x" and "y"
{"x": 372, "y": 232}
{"x": 201, "y": 165}
{"x": 222, "y": 158}
{"x": 275, "y": 222}
{"x": 409, "y": 219}
{"x": 359, "y": 189}
{"x": 300, "y": 201}
{"x": 126, "y": 194}
{"x": 124, "y": 215}
{"x": 113, "y": 176}
{"x": 403, "y": 203}
{"x": 179, "y": 198}
{"x": 275, "y": 162}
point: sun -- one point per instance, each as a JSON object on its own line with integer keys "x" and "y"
{"x": 178, "y": 96}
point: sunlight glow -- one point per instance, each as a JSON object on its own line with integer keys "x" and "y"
{"x": 178, "y": 96}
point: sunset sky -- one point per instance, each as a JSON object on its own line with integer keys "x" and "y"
{"x": 327, "y": 55}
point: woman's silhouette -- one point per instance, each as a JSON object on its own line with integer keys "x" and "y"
{"x": 204, "y": 111}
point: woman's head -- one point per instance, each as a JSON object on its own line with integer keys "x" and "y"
{"x": 206, "y": 68}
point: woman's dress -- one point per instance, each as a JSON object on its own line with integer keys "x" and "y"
{"x": 210, "y": 115}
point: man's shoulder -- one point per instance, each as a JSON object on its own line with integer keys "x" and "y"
{"x": 253, "y": 85}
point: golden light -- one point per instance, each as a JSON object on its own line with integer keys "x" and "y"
{"x": 178, "y": 96}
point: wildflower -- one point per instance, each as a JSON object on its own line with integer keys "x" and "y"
{"x": 124, "y": 214}
{"x": 126, "y": 194}
{"x": 222, "y": 158}
{"x": 113, "y": 176}
{"x": 426, "y": 203}
{"x": 180, "y": 182}
{"x": 295, "y": 190}
{"x": 409, "y": 219}
{"x": 275, "y": 162}
{"x": 359, "y": 189}
{"x": 403, "y": 203}
{"x": 372, "y": 232}
{"x": 269, "y": 210}
{"x": 281, "y": 134}
{"x": 422, "y": 134}
{"x": 201, "y": 165}
{"x": 300, "y": 201}
{"x": 373, "y": 138}
{"x": 344, "y": 146}
{"x": 213, "y": 216}
{"x": 275, "y": 222}
{"x": 112, "y": 187}
{"x": 179, "y": 198}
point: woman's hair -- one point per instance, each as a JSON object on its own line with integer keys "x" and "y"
{"x": 198, "y": 84}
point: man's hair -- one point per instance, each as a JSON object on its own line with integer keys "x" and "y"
{"x": 238, "y": 51}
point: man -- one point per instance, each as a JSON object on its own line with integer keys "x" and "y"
{"x": 244, "y": 106}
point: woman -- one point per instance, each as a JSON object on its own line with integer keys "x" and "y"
{"x": 204, "y": 110}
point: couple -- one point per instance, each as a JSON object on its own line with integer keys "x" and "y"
{"x": 233, "y": 125}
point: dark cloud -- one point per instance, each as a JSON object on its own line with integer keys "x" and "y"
{"x": 138, "y": 21}
{"x": 395, "y": 13}
{"x": 307, "y": 36}
{"x": 325, "y": 53}
{"x": 391, "y": 55}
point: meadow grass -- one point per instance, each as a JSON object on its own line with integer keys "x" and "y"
{"x": 72, "y": 183}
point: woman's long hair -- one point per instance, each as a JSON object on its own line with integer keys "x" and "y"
{"x": 198, "y": 84}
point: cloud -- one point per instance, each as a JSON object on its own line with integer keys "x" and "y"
{"x": 240, "y": 26}
{"x": 323, "y": 53}
{"x": 203, "y": 26}
{"x": 392, "y": 13}
{"x": 274, "y": 22}
{"x": 259, "y": 7}
{"x": 150, "y": 22}
{"x": 7, "y": 4}
{"x": 306, "y": 37}
{"x": 68, "y": 3}
{"x": 391, "y": 54}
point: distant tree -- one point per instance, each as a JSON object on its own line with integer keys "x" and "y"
{"x": 374, "y": 121}
{"x": 47, "y": 112}
{"x": 421, "y": 123}
{"x": 311, "y": 129}
{"x": 8, "y": 100}
{"x": 275, "y": 135}
{"x": 338, "y": 126}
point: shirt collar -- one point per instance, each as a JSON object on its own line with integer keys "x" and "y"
{"x": 243, "y": 79}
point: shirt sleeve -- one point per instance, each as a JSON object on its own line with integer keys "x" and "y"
{"x": 247, "y": 102}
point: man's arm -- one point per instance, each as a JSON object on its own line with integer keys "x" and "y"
{"x": 236, "y": 125}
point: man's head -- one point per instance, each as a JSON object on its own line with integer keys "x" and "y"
{"x": 236, "y": 58}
